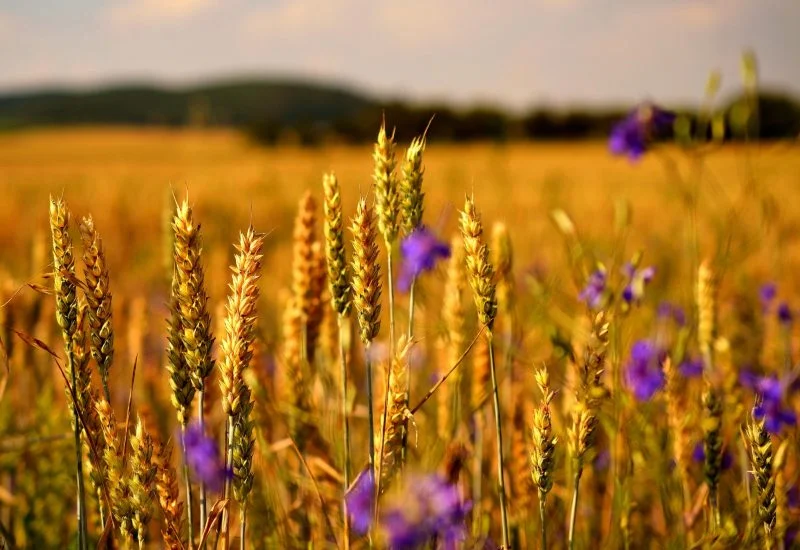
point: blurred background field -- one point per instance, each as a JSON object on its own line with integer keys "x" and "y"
{"x": 127, "y": 177}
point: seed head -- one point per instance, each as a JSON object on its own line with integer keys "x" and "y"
{"x": 411, "y": 195}
{"x": 366, "y": 273}
{"x": 479, "y": 269}
{"x": 387, "y": 200}
{"x": 338, "y": 281}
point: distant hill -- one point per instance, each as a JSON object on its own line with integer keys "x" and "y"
{"x": 234, "y": 102}
{"x": 293, "y": 111}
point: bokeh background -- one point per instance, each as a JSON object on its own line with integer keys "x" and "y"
{"x": 124, "y": 106}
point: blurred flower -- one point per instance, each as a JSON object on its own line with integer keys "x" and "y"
{"x": 420, "y": 250}
{"x": 594, "y": 291}
{"x": 785, "y": 315}
{"x": 699, "y": 455}
{"x": 203, "y": 457}
{"x": 771, "y": 404}
{"x": 360, "y": 500}
{"x": 637, "y": 280}
{"x": 632, "y": 135}
{"x": 643, "y": 371}
{"x": 692, "y": 367}
{"x": 430, "y": 506}
{"x": 767, "y": 294}
{"x": 668, "y": 310}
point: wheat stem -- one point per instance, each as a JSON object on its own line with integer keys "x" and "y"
{"x": 346, "y": 429}
{"x": 542, "y": 523}
{"x": 501, "y": 484}
{"x": 574, "y": 510}
{"x": 201, "y": 421}
{"x": 81, "y": 512}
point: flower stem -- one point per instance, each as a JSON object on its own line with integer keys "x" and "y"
{"x": 574, "y": 511}
{"x": 81, "y": 512}
{"x": 501, "y": 484}
{"x": 188, "y": 483}
{"x": 200, "y": 408}
{"x": 346, "y": 430}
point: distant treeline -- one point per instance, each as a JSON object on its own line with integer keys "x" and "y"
{"x": 273, "y": 112}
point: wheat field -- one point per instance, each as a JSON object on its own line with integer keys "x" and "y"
{"x": 716, "y": 222}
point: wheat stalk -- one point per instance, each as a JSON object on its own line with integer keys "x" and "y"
{"x": 142, "y": 482}
{"x": 166, "y": 485}
{"x": 98, "y": 296}
{"x": 67, "y": 316}
{"x": 584, "y": 417}
{"x": 367, "y": 299}
{"x": 339, "y": 287}
{"x": 481, "y": 278}
{"x": 761, "y": 462}
{"x": 544, "y": 445}
{"x": 195, "y": 321}
{"x": 237, "y": 353}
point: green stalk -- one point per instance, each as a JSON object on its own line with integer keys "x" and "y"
{"x": 188, "y": 483}
{"x": 346, "y": 435}
{"x": 81, "y": 512}
{"x": 574, "y": 511}
{"x": 404, "y": 444}
{"x": 541, "y": 521}
{"x": 501, "y": 484}
{"x": 243, "y": 528}
{"x": 203, "y": 510}
{"x": 226, "y": 516}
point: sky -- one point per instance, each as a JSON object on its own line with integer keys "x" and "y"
{"x": 513, "y": 53}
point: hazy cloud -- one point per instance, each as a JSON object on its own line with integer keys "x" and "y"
{"x": 146, "y": 12}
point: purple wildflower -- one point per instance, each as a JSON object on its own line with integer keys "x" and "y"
{"x": 637, "y": 280}
{"x": 767, "y": 294}
{"x": 594, "y": 291}
{"x": 430, "y": 507}
{"x": 420, "y": 250}
{"x": 202, "y": 456}
{"x": 691, "y": 367}
{"x": 360, "y": 500}
{"x": 668, "y": 310}
{"x": 771, "y": 405}
{"x": 785, "y": 315}
{"x": 699, "y": 455}
{"x": 643, "y": 371}
{"x": 632, "y": 135}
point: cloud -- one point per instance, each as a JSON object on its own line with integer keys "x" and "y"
{"x": 146, "y": 12}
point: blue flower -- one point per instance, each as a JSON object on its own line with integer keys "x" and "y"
{"x": 692, "y": 367}
{"x": 420, "y": 250}
{"x": 667, "y": 310}
{"x": 632, "y": 135}
{"x": 360, "y": 500}
{"x": 203, "y": 458}
{"x": 767, "y": 294}
{"x": 771, "y": 406}
{"x": 643, "y": 371}
{"x": 637, "y": 280}
{"x": 785, "y": 315}
{"x": 430, "y": 506}
{"x": 594, "y": 291}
